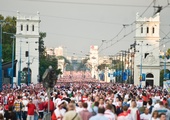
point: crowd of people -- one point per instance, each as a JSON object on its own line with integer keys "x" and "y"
{"x": 85, "y": 101}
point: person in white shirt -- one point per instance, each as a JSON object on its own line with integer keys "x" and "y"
{"x": 134, "y": 111}
{"x": 145, "y": 115}
{"x": 108, "y": 112}
{"x": 60, "y": 111}
{"x": 162, "y": 109}
{"x": 80, "y": 107}
{"x": 24, "y": 108}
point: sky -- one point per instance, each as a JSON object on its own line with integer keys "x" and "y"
{"x": 78, "y": 24}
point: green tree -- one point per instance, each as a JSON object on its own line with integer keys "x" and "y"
{"x": 8, "y": 26}
{"x": 46, "y": 60}
{"x": 162, "y": 76}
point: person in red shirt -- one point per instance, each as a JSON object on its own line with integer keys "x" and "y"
{"x": 31, "y": 110}
{"x": 51, "y": 105}
{"x": 84, "y": 98}
{"x": 1, "y": 99}
{"x": 11, "y": 100}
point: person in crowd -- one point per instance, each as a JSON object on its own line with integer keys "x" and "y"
{"x": 134, "y": 111}
{"x": 146, "y": 115}
{"x": 36, "y": 102}
{"x": 10, "y": 99}
{"x": 41, "y": 108}
{"x": 85, "y": 114}
{"x": 162, "y": 109}
{"x": 94, "y": 109}
{"x": 18, "y": 107}
{"x": 1, "y": 116}
{"x": 163, "y": 116}
{"x": 10, "y": 114}
{"x": 71, "y": 114}
{"x": 99, "y": 115}
{"x": 155, "y": 116}
{"x": 84, "y": 98}
{"x": 59, "y": 112}
{"x": 31, "y": 110}
{"x": 125, "y": 115}
{"x": 79, "y": 108}
{"x": 24, "y": 108}
{"x": 119, "y": 108}
{"x": 52, "y": 107}
{"x": 109, "y": 113}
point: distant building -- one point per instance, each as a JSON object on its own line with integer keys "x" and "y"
{"x": 50, "y": 51}
{"x": 58, "y": 51}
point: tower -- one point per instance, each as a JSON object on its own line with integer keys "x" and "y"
{"x": 27, "y": 48}
{"x": 146, "y": 61}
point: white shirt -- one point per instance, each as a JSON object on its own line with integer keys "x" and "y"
{"x": 25, "y": 102}
{"x": 109, "y": 114}
{"x": 59, "y": 113}
{"x": 145, "y": 117}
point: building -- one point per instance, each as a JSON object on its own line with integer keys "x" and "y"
{"x": 147, "y": 62}
{"x": 27, "y": 54}
{"x": 50, "y": 51}
{"x": 94, "y": 61}
{"x": 58, "y": 51}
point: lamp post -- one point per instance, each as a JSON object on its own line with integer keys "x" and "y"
{"x": 141, "y": 65}
{"x": 164, "y": 63}
{"x": 12, "y": 74}
{"x": 29, "y": 80}
{"x": 19, "y": 66}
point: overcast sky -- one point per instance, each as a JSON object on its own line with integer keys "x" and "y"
{"x": 77, "y": 24}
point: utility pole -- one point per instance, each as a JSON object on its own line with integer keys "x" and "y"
{"x": 19, "y": 70}
{"x": 1, "y": 55}
{"x": 29, "y": 80}
{"x": 141, "y": 57}
{"x": 164, "y": 63}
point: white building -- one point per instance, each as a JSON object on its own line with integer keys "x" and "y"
{"x": 58, "y": 51}
{"x": 146, "y": 59}
{"x": 94, "y": 59}
{"x": 27, "y": 54}
{"x": 50, "y": 51}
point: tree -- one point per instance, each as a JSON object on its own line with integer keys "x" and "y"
{"x": 46, "y": 60}
{"x": 6, "y": 39}
{"x": 162, "y": 76}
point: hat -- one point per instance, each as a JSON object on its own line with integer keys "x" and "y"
{"x": 61, "y": 102}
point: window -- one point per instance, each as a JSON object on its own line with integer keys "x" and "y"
{"x": 146, "y": 54}
{"x": 21, "y": 27}
{"x": 27, "y": 27}
{"x": 141, "y": 29}
{"x": 32, "y": 27}
{"x": 153, "y": 30}
{"x": 147, "y": 30}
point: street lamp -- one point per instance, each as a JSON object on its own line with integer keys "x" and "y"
{"x": 164, "y": 63}
{"x": 141, "y": 64}
{"x": 12, "y": 74}
{"x": 28, "y": 80}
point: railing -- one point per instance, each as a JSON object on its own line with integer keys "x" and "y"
{"x": 47, "y": 116}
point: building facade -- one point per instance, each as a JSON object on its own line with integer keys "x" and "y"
{"x": 58, "y": 51}
{"x": 27, "y": 53}
{"x": 146, "y": 59}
